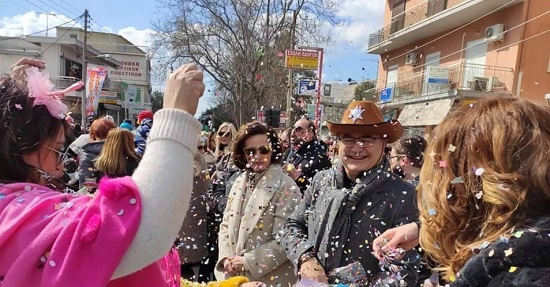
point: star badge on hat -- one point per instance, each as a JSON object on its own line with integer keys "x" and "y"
{"x": 356, "y": 113}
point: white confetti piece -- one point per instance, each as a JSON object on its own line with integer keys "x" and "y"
{"x": 479, "y": 171}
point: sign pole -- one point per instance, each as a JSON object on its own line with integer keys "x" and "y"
{"x": 318, "y": 104}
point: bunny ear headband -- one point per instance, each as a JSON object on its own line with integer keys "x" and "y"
{"x": 41, "y": 89}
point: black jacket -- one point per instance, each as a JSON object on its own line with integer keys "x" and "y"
{"x": 312, "y": 158}
{"x": 519, "y": 260}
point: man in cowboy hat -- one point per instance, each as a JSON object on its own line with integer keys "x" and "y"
{"x": 329, "y": 236}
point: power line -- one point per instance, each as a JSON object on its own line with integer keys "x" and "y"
{"x": 59, "y": 38}
{"x": 449, "y": 33}
{"x": 44, "y": 10}
{"x": 18, "y": 4}
{"x": 42, "y": 31}
{"x": 464, "y": 49}
{"x": 74, "y": 8}
{"x": 65, "y": 9}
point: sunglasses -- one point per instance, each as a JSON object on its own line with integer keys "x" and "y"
{"x": 61, "y": 155}
{"x": 263, "y": 150}
{"x": 225, "y": 134}
{"x": 298, "y": 128}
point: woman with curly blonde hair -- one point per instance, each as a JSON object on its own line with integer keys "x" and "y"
{"x": 118, "y": 157}
{"x": 484, "y": 195}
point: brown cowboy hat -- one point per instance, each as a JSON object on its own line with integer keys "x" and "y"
{"x": 364, "y": 117}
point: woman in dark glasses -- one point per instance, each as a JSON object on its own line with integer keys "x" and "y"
{"x": 259, "y": 202}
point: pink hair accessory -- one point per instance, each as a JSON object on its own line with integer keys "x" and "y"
{"x": 41, "y": 89}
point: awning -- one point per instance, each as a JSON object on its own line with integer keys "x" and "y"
{"x": 112, "y": 107}
{"x": 425, "y": 114}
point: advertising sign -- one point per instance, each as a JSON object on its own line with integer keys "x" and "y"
{"x": 386, "y": 95}
{"x": 327, "y": 89}
{"x": 307, "y": 87}
{"x": 136, "y": 108}
{"x": 311, "y": 111}
{"x": 95, "y": 78}
{"x": 260, "y": 116}
{"x": 437, "y": 75}
{"x": 108, "y": 98}
{"x": 303, "y": 60}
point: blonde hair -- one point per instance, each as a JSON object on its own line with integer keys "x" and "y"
{"x": 486, "y": 172}
{"x": 119, "y": 146}
{"x": 231, "y": 128}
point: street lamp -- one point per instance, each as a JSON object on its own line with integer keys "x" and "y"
{"x": 47, "y": 19}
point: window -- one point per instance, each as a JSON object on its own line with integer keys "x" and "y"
{"x": 436, "y": 6}
{"x": 73, "y": 36}
{"x": 398, "y": 17}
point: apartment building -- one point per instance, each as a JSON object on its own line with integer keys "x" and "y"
{"x": 436, "y": 55}
{"x": 63, "y": 58}
{"x": 133, "y": 73}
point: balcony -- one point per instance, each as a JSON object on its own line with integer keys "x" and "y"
{"x": 430, "y": 18}
{"x": 470, "y": 80}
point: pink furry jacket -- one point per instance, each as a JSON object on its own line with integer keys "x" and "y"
{"x": 52, "y": 239}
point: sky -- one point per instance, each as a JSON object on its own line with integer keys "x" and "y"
{"x": 347, "y": 58}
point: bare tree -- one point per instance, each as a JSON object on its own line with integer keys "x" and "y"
{"x": 240, "y": 44}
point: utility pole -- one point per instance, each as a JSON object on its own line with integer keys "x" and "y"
{"x": 289, "y": 122}
{"x": 84, "y": 68}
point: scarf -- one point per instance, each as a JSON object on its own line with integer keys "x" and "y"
{"x": 341, "y": 226}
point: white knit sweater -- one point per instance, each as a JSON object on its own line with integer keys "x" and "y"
{"x": 165, "y": 179}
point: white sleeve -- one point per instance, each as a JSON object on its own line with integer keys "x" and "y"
{"x": 165, "y": 180}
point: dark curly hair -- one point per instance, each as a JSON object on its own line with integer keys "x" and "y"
{"x": 252, "y": 129}
{"x": 23, "y": 129}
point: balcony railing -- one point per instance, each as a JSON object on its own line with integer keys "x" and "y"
{"x": 62, "y": 82}
{"x": 411, "y": 17}
{"x": 466, "y": 77}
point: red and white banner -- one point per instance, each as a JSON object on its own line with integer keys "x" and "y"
{"x": 95, "y": 77}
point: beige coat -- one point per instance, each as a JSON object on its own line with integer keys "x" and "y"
{"x": 255, "y": 234}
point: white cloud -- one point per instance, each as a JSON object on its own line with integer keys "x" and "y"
{"x": 32, "y": 22}
{"x": 361, "y": 17}
{"x": 141, "y": 38}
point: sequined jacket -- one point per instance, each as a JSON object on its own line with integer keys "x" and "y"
{"x": 391, "y": 204}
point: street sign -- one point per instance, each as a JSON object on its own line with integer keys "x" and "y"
{"x": 307, "y": 87}
{"x": 300, "y": 59}
{"x": 327, "y": 88}
{"x": 386, "y": 95}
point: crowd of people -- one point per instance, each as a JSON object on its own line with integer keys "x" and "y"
{"x": 166, "y": 204}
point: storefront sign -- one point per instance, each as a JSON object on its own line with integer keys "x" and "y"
{"x": 108, "y": 98}
{"x": 300, "y": 59}
{"x": 133, "y": 69}
{"x": 136, "y": 108}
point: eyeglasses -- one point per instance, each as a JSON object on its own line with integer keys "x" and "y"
{"x": 225, "y": 134}
{"x": 61, "y": 156}
{"x": 263, "y": 150}
{"x": 363, "y": 142}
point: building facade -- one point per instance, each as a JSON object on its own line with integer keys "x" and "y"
{"x": 436, "y": 55}
{"x": 131, "y": 80}
{"x": 63, "y": 58}
{"x": 127, "y": 87}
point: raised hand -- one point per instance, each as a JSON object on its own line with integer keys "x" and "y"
{"x": 184, "y": 88}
